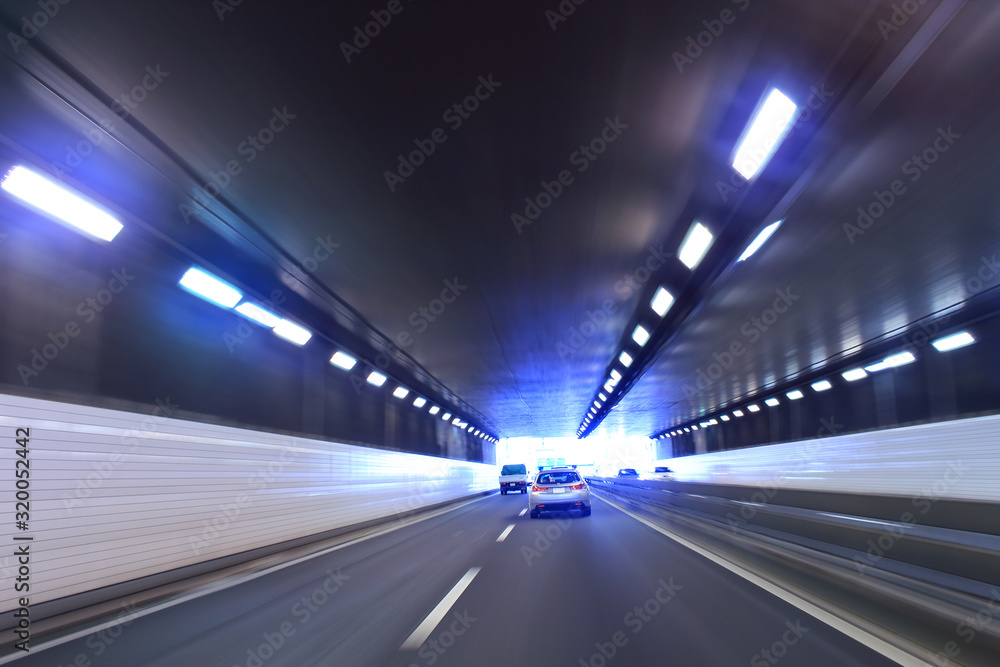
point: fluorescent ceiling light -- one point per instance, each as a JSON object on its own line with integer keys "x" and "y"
{"x": 59, "y": 202}
{"x": 419, "y": 401}
{"x": 713, "y": 421}
{"x": 640, "y": 335}
{"x": 291, "y": 331}
{"x": 761, "y": 238}
{"x": 794, "y": 395}
{"x": 753, "y": 407}
{"x": 687, "y": 430}
{"x": 661, "y": 302}
{"x": 854, "y": 374}
{"x": 694, "y": 428}
{"x": 772, "y": 402}
{"x": 594, "y": 410}
{"x": 737, "y": 413}
{"x": 764, "y": 133}
{"x": 625, "y": 358}
{"x": 204, "y": 284}
{"x": 695, "y": 245}
{"x": 597, "y": 404}
{"x": 258, "y": 314}
{"x": 615, "y": 375}
{"x": 345, "y": 361}
{"x": 401, "y": 392}
{"x": 471, "y": 429}
{"x": 446, "y": 416}
{"x": 609, "y": 386}
{"x": 376, "y": 378}
{"x": 456, "y": 421}
{"x": 954, "y": 341}
{"x": 822, "y": 385}
{"x": 434, "y": 409}
{"x": 601, "y": 396}
{"x": 895, "y": 360}
{"x": 724, "y": 418}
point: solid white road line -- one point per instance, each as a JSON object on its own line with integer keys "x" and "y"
{"x": 523, "y": 511}
{"x": 236, "y": 581}
{"x": 505, "y": 533}
{"x": 427, "y": 626}
{"x": 856, "y": 633}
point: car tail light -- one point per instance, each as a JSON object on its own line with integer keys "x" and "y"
{"x": 579, "y": 487}
{"x": 539, "y": 488}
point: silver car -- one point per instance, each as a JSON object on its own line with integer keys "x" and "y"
{"x": 558, "y": 490}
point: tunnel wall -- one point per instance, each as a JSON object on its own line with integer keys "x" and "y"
{"x": 115, "y": 496}
{"x": 957, "y": 459}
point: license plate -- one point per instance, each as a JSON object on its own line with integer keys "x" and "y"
{"x": 559, "y": 489}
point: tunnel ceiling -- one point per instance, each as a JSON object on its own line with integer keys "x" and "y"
{"x": 535, "y": 309}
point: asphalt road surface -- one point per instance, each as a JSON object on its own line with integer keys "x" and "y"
{"x": 558, "y": 591}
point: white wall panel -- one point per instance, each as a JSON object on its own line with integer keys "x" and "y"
{"x": 116, "y": 495}
{"x": 954, "y": 459}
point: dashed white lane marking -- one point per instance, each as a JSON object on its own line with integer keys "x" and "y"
{"x": 427, "y": 626}
{"x": 505, "y": 533}
{"x": 523, "y": 511}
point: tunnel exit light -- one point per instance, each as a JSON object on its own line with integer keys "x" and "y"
{"x": 953, "y": 342}
{"x": 764, "y": 133}
{"x": 208, "y": 287}
{"x": 59, "y": 202}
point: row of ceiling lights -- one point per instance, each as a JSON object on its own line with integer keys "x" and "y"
{"x": 767, "y": 127}
{"x": 56, "y": 201}
{"x": 945, "y": 344}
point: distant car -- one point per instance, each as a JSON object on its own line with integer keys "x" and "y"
{"x": 662, "y": 472}
{"x": 558, "y": 490}
{"x": 628, "y": 472}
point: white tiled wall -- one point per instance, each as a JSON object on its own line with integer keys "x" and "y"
{"x": 955, "y": 459}
{"x": 117, "y": 495}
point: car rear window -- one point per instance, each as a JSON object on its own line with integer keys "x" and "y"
{"x": 514, "y": 469}
{"x": 662, "y": 469}
{"x": 568, "y": 477}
